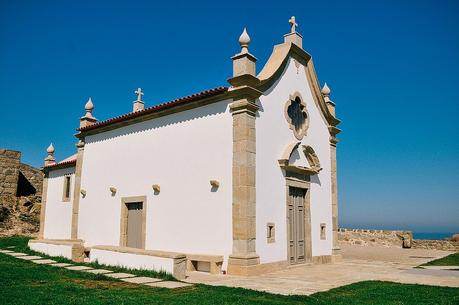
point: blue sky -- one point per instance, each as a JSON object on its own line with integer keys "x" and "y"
{"x": 392, "y": 67}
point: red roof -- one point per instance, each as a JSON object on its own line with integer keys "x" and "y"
{"x": 167, "y": 105}
{"x": 66, "y": 162}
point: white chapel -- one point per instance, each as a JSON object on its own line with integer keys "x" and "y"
{"x": 238, "y": 179}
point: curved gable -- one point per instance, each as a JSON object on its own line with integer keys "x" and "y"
{"x": 276, "y": 64}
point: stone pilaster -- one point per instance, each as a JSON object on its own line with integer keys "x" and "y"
{"x": 77, "y": 189}
{"x": 334, "y": 187}
{"x": 41, "y": 233}
{"x": 244, "y": 189}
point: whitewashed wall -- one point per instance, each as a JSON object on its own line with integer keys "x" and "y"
{"x": 52, "y": 250}
{"x": 180, "y": 152}
{"x": 58, "y": 213}
{"x": 273, "y": 135}
{"x": 130, "y": 260}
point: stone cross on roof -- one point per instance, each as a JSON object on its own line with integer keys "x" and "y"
{"x": 139, "y": 94}
{"x": 293, "y": 24}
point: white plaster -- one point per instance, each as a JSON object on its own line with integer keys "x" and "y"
{"x": 181, "y": 152}
{"x": 58, "y": 213}
{"x": 52, "y": 250}
{"x": 273, "y": 135}
{"x": 133, "y": 261}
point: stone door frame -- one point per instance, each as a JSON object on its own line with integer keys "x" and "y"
{"x": 124, "y": 218}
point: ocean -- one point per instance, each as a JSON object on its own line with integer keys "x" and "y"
{"x": 436, "y": 236}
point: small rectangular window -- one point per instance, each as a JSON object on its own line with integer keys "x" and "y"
{"x": 66, "y": 194}
{"x": 322, "y": 231}
{"x": 270, "y": 232}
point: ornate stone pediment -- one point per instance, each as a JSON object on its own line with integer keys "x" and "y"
{"x": 314, "y": 163}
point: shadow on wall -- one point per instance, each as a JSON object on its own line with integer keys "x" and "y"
{"x": 160, "y": 122}
{"x": 25, "y": 188}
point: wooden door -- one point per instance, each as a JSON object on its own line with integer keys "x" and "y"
{"x": 134, "y": 225}
{"x": 296, "y": 225}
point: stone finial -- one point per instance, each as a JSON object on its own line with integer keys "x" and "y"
{"x": 138, "y": 103}
{"x": 293, "y": 37}
{"x": 326, "y": 93}
{"x": 244, "y": 41}
{"x": 244, "y": 62}
{"x": 50, "y": 158}
{"x": 325, "y": 90}
{"x": 88, "y": 118}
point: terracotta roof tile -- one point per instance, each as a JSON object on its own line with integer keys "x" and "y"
{"x": 167, "y": 105}
{"x": 66, "y": 162}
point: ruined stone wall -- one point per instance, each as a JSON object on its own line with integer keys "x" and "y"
{"x": 446, "y": 245}
{"x": 19, "y": 215}
{"x": 385, "y": 238}
{"x": 33, "y": 175}
{"x": 9, "y": 171}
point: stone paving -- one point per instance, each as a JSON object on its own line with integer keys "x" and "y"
{"x": 43, "y": 261}
{"x": 126, "y": 277}
{"x": 359, "y": 264}
{"x": 120, "y": 275}
{"x": 141, "y": 280}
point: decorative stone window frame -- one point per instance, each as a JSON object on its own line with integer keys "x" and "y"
{"x": 323, "y": 231}
{"x": 124, "y": 218}
{"x": 271, "y": 232}
{"x": 67, "y": 178}
{"x": 296, "y": 97}
{"x": 310, "y": 154}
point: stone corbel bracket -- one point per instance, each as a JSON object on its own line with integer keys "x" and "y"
{"x": 310, "y": 155}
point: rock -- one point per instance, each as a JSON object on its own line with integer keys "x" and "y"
{"x": 455, "y": 237}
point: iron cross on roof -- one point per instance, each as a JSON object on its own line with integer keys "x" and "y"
{"x": 139, "y": 94}
{"x": 293, "y": 24}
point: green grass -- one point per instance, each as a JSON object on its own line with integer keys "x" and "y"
{"x": 23, "y": 282}
{"x": 450, "y": 260}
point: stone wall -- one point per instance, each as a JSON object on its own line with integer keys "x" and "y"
{"x": 34, "y": 176}
{"x": 385, "y": 238}
{"x": 9, "y": 171}
{"x": 446, "y": 245}
{"x": 20, "y": 195}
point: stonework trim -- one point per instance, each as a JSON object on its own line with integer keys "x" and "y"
{"x": 296, "y": 96}
{"x": 156, "y": 253}
{"x": 259, "y": 268}
{"x": 64, "y": 186}
{"x": 215, "y": 262}
{"x": 43, "y": 207}
{"x": 309, "y": 153}
{"x": 76, "y": 190}
{"x": 334, "y": 190}
{"x": 244, "y": 189}
{"x": 271, "y": 232}
{"x": 124, "y": 218}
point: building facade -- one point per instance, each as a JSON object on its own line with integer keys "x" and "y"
{"x": 240, "y": 178}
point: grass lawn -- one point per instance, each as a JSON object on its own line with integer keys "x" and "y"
{"x": 23, "y": 282}
{"x": 450, "y": 260}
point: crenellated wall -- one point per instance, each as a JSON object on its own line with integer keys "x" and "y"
{"x": 366, "y": 237}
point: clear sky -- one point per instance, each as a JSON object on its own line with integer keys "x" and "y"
{"x": 392, "y": 67}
